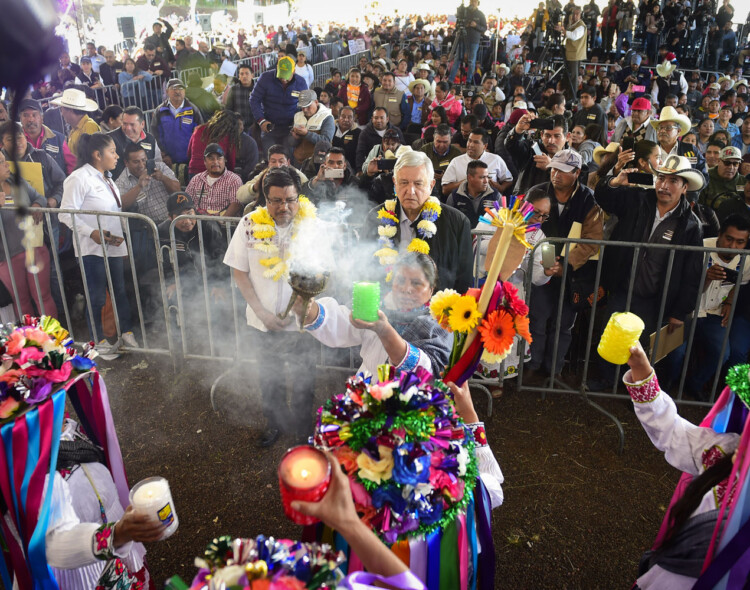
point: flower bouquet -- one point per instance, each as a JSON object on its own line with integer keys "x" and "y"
{"x": 495, "y": 313}
{"x": 37, "y": 360}
{"x": 265, "y": 563}
{"x": 409, "y": 457}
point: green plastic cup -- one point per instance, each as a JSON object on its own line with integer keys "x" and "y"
{"x": 366, "y": 301}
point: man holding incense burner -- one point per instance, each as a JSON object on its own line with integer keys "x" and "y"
{"x": 259, "y": 255}
{"x": 417, "y": 222}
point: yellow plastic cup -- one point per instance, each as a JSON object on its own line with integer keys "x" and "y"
{"x": 622, "y": 332}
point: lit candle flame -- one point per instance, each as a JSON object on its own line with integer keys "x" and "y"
{"x": 304, "y": 473}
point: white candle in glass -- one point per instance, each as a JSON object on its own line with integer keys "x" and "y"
{"x": 153, "y": 497}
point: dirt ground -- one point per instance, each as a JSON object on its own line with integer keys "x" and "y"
{"x": 576, "y": 514}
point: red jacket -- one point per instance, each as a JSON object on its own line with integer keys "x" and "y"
{"x": 197, "y": 146}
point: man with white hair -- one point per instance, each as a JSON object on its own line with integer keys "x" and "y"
{"x": 449, "y": 245}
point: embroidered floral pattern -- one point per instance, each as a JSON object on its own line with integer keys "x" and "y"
{"x": 117, "y": 577}
{"x": 709, "y": 458}
{"x": 480, "y": 436}
{"x": 103, "y": 541}
{"x": 646, "y": 391}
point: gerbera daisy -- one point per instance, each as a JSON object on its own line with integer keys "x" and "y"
{"x": 464, "y": 315}
{"x": 516, "y": 304}
{"x": 498, "y": 332}
{"x": 521, "y": 323}
{"x": 494, "y": 359}
{"x": 440, "y": 305}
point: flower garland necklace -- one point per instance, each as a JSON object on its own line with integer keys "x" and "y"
{"x": 264, "y": 230}
{"x": 388, "y": 227}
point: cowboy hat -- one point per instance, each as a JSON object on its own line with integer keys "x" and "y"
{"x": 504, "y": 67}
{"x": 423, "y": 66}
{"x": 75, "y": 99}
{"x": 726, "y": 79}
{"x": 425, "y": 83}
{"x": 680, "y": 166}
{"x": 670, "y": 114}
{"x": 600, "y": 152}
{"x": 665, "y": 69}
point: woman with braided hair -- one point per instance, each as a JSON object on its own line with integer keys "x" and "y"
{"x": 224, "y": 128}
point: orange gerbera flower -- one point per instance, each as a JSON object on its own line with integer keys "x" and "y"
{"x": 522, "y": 327}
{"x": 498, "y": 331}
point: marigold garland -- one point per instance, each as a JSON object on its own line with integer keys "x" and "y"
{"x": 263, "y": 230}
{"x": 426, "y": 229}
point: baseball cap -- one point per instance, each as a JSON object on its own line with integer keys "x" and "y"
{"x": 714, "y": 86}
{"x": 179, "y": 202}
{"x": 86, "y": 60}
{"x": 730, "y": 153}
{"x": 391, "y": 134}
{"x": 285, "y": 68}
{"x": 213, "y": 148}
{"x": 566, "y": 161}
{"x": 29, "y": 103}
{"x": 175, "y": 83}
{"x": 306, "y": 98}
{"x": 520, "y": 104}
{"x": 641, "y": 104}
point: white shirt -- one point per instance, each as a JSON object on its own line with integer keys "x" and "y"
{"x": 173, "y": 110}
{"x": 717, "y": 291}
{"x": 86, "y": 189}
{"x": 496, "y": 168}
{"x": 575, "y": 34}
{"x": 658, "y": 219}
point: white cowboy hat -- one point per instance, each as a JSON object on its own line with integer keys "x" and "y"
{"x": 75, "y": 99}
{"x": 670, "y": 114}
{"x": 665, "y": 69}
{"x": 504, "y": 67}
{"x": 680, "y": 166}
{"x": 423, "y": 66}
{"x": 425, "y": 83}
{"x": 741, "y": 82}
{"x": 726, "y": 79}
{"x": 600, "y": 152}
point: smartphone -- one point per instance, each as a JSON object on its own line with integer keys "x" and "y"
{"x": 731, "y": 275}
{"x": 333, "y": 173}
{"x": 548, "y": 255}
{"x": 535, "y": 148}
{"x": 641, "y": 178}
{"x": 639, "y": 88}
{"x": 627, "y": 143}
{"x": 386, "y": 164}
{"x": 150, "y": 166}
{"x": 542, "y": 124}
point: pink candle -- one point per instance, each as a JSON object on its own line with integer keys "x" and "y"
{"x": 304, "y": 474}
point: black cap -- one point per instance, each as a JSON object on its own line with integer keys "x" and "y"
{"x": 179, "y": 202}
{"x": 213, "y": 148}
{"x": 391, "y": 134}
{"x": 29, "y": 103}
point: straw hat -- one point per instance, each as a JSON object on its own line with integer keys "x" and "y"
{"x": 665, "y": 69}
{"x": 423, "y": 66}
{"x": 726, "y": 79}
{"x": 504, "y": 67}
{"x": 680, "y": 166}
{"x": 425, "y": 83}
{"x": 600, "y": 152}
{"x": 75, "y": 99}
{"x": 671, "y": 114}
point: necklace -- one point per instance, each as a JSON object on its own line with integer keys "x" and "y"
{"x": 387, "y": 229}
{"x": 264, "y": 231}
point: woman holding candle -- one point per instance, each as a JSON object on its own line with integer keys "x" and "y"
{"x": 714, "y": 459}
{"x": 404, "y": 332}
{"x": 91, "y": 540}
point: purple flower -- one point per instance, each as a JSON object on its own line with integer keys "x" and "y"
{"x": 411, "y": 464}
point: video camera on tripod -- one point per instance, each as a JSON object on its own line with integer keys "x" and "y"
{"x": 461, "y": 14}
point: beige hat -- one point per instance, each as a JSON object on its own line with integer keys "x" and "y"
{"x": 600, "y": 152}
{"x": 423, "y": 66}
{"x": 504, "y": 67}
{"x": 671, "y": 114}
{"x": 75, "y": 99}
{"x": 665, "y": 69}
{"x": 725, "y": 79}
{"x": 425, "y": 83}
{"x": 680, "y": 166}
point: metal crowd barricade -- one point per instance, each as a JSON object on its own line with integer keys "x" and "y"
{"x": 325, "y": 52}
{"x": 554, "y": 385}
{"x": 75, "y": 265}
{"x": 259, "y": 63}
{"x": 322, "y": 71}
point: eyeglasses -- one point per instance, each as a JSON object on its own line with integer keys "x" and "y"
{"x": 277, "y": 202}
{"x": 668, "y": 127}
{"x": 540, "y": 215}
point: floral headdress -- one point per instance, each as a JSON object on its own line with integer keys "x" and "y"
{"x": 265, "y": 563}
{"x": 264, "y": 230}
{"x": 409, "y": 456}
{"x": 37, "y": 359}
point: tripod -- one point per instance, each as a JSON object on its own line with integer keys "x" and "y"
{"x": 453, "y": 55}
{"x": 556, "y": 53}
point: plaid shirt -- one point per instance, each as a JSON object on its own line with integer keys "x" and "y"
{"x": 238, "y": 100}
{"x": 212, "y": 200}
{"x": 152, "y": 202}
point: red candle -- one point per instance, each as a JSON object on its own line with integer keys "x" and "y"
{"x": 304, "y": 474}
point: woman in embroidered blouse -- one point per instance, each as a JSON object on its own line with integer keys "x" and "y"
{"x": 90, "y": 187}
{"x": 357, "y": 96}
{"x": 700, "y": 451}
{"x": 405, "y": 334}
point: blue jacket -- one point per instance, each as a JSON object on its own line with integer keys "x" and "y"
{"x": 737, "y": 142}
{"x": 173, "y": 133}
{"x": 53, "y": 144}
{"x": 274, "y": 103}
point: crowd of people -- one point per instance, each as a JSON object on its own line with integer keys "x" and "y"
{"x": 408, "y": 147}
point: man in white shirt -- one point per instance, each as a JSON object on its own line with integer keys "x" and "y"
{"x": 476, "y": 149}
